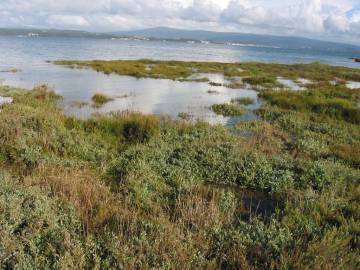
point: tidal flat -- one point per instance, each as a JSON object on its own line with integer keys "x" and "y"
{"x": 139, "y": 191}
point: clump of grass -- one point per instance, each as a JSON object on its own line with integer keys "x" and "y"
{"x": 215, "y": 84}
{"x": 12, "y": 70}
{"x": 227, "y": 110}
{"x": 243, "y": 101}
{"x": 124, "y": 96}
{"x": 212, "y": 92}
{"x": 264, "y": 81}
{"x": 139, "y": 128}
{"x": 204, "y": 80}
{"x": 79, "y": 104}
{"x": 100, "y": 99}
{"x": 236, "y": 85}
{"x": 185, "y": 115}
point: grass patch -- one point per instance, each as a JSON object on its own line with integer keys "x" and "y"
{"x": 79, "y": 104}
{"x": 184, "y": 115}
{"x": 213, "y": 92}
{"x": 227, "y": 110}
{"x": 243, "y": 101}
{"x": 332, "y": 101}
{"x": 215, "y": 84}
{"x": 12, "y": 70}
{"x": 261, "y": 81}
{"x": 100, "y": 99}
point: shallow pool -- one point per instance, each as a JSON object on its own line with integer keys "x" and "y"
{"x": 155, "y": 96}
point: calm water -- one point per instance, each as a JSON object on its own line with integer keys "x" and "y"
{"x": 145, "y": 95}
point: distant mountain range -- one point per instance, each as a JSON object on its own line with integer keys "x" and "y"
{"x": 171, "y": 34}
{"x": 239, "y": 38}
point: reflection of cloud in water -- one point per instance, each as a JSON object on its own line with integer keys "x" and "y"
{"x": 353, "y": 85}
{"x": 292, "y": 85}
{"x": 146, "y": 95}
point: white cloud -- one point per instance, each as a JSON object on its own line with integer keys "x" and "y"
{"x": 337, "y": 23}
{"x": 67, "y": 20}
{"x": 315, "y": 18}
{"x": 201, "y": 10}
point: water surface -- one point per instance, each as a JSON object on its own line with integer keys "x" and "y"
{"x": 30, "y": 55}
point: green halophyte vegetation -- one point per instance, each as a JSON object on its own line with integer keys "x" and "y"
{"x": 100, "y": 99}
{"x": 134, "y": 191}
{"x": 262, "y": 81}
{"x": 213, "y": 92}
{"x": 243, "y": 101}
{"x": 228, "y": 109}
{"x": 12, "y": 70}
{"x": 79, "y": 104}
{"x": 185, "y": 115}
{"x": 215, "y": 84}
{"x": 256, "y": 74}
{"x": 328, "y": 100}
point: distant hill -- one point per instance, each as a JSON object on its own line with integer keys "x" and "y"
{"x": 240, "y": 38}
{"x": 164, "y": 33}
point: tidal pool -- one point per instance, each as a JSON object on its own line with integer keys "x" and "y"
{"x": 353, "y": 85}
{"x": 155, "y": 96}
{"x": 292, "y": 85}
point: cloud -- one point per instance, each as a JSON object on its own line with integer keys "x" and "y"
{"x": 67, "y": 20}
{"x": 337, "y": 23}
{"x": 330, "y": 19}
{"x": 201, "y": 10}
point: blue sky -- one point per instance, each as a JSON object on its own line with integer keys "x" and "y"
{"x": 337, "y": 20}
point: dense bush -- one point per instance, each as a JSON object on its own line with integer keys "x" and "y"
{"x": 37, "y": 232}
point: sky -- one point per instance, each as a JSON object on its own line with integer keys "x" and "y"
{"x": 337, "y": 20}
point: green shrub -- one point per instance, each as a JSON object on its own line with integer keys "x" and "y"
{"x": 37, "y": 232}
{"x": 140, "y": 128}
{"x": 255, "y": 243}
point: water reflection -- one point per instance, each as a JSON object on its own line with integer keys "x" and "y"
{"x": 156, "y": 96}
{"x": 353, "y": 85}
{"x": 292, "y": 85}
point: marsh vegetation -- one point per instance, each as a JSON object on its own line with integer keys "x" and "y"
{"x": 100, "y": 99}
{"x": 255, "y": 74}
{"x": 228, "y": 109}
{"x": 243, "y": 101}
{"x": 135, "y": 191}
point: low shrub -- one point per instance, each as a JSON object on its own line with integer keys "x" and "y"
{"x": 37, "y": 231}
